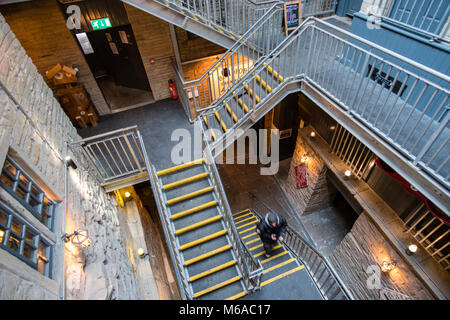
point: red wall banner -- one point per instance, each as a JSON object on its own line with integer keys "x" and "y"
{"x": 301, "y": 175}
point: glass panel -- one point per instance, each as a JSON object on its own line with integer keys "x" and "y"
{"x": 28, "y": 251}
{"x": 2, "y": 234}
{"x": 21, "y": 191}
{"x": 7, "y": 180}
{"x": 41, "y": 266}
{"x": 13, "y": 243}
{"x": 42, "y": 257}
{"x": 36, "y": 191}
{"x": 29, "y": 236}
{"x": 3, "y": 217}
{"x": 16, "y": 226}
{"x": 10, "y": 168}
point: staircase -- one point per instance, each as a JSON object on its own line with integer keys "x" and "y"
{"x": 196, "y": 224}
{"x": 347, "y": 77}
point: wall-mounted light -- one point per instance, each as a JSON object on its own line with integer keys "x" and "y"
{"x": 312, "y": 134}
{"x": 141, "y": 253}
{"x": 412, "y": 249}
{"x": 388, "y": 266}
{"x": 70, "y": 162}
{"x": 332, "y": 128}
{"x": 79, "y": 238}
{"x": 348, "y": 173}
{"x": 304, "y": 158}
{"x": 127, "y": 195}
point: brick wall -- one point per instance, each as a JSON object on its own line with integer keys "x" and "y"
{"x": 35, "y": 129}
{"x": 41, "y": 29}
{"x": 153, "y": 40}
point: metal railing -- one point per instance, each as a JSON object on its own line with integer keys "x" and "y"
{"x": 250, "y": 268}
{"x": 321, "y": 272}
{"x": 429, "y": 18}
{"x": 235, "y": 63}
{"x": 318, "y": 7}
{"x": 431, "y": 232}
{"x": 396, "y": 99}
{"x": 116, "y": 156}
{"x": 235, "y": 16}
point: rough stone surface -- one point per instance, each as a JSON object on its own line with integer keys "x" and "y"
{"x": 34, "y": 129}
{"x": 365, "y": 246}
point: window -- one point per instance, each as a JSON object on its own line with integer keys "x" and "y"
{"x": 19, "y": 184}
{"x": 23, "y": 241}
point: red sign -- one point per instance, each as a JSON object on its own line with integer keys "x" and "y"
{"x": 301, "y": 174}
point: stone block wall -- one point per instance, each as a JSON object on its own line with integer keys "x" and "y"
{"x": 40, "y": 27}
{"x": 365, "y": 246}
{"x": 34, "y": 130}
{"x": 319, "y": 192}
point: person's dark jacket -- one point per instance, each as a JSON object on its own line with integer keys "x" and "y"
{"x": 265, "y": 230}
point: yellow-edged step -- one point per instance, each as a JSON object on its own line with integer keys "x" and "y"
{"x": 207, "y": 255}
{"x": 190, "y": 195}
{"x": 217, "y": 286}
{"x": 198, "y": 225}
{"x": 193, "y": 210}
{"x": 222, "y": 124}
{"x": 281, "y": 275}
{"x": 203, "y": 240}
{"x": 247, "y": 224}
{"x": 210, "y": 130}
{"x": 213, "y": 270}
{"x": 180, "y": 167}
{"x": 238, "y": 213}
{"x": 184, "y": 181}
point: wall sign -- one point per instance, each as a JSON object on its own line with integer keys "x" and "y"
{"x": 301, "y": 175}
{"x": 84, "y": 43}
{"x": 101, "y": 24}
{"x": 292, "y": 15}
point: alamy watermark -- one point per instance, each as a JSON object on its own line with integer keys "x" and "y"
{"x": 263, "y": 147}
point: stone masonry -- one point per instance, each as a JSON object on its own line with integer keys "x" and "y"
{"x": 34, "y": 130}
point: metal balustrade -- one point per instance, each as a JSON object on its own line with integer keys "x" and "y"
{"x": 250, "y": 268}
{"x": 235, "y": 63}
{"x": 432, "y": 234}
{"x": 376, "y": 87}
{"x": 117, "y": 157}
{"x": 321, "y": 272}
{"x": 426, "y": 17}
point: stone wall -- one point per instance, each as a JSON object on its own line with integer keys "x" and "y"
{"x": 34, "y": 129}
{"x": 41, "y": 29}
{"x": 365, "y": 246}
{"x": 319, "y": 192}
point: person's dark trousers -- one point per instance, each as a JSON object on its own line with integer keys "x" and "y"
{"x": 268, "y": 247}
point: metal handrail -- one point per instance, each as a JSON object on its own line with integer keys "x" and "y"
{"x": 418, "y": 12}
{"x": 256, "y": 42}
{"x": 317, "y": 266}
{"x": 426, "y": 97}
{"x": 180, "y": 272}
{"x": 249, "y": 267}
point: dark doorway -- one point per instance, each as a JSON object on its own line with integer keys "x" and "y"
{"x": 116, "y": 55}
{"x": 107, "y": 41}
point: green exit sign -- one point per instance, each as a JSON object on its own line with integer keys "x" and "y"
{"x": 101, "y": 24}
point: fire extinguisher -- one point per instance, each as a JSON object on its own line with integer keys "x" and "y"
{"x": 173, "y": 90}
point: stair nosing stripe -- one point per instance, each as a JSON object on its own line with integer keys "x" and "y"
{"x": 193, "y": 210}
{"x": 180, "y": 167}
{"x": 207, "y": 255}
{"x": 237, "y": 296}
{"x": 217, "y": 286}
{"x": 262, "y": 252}
{"x": 241, "y": 216}
{"x": 203, "y": 240}
{"x": 184, "y": 181}
{"x": 190, "y": 195}
{"x": 281, "y": 264}
{"x": 274, "y": 257}
{"x": 239, "y": 222}
{"x": 247, "y": 224}
{"x": 198, "y": 224}
{"x": 235, "y": 214}
{"x": 282, "y": 275}
{"x": 212, "y": 271}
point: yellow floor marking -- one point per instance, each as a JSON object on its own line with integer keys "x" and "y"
{"x": 243, "y": 216}
{"x": 190, "y": 195}
{"x": 217, "y": 286}
{"x": 236, "y": 296}
{"x": 250, "y": 235}
{"x": 243, "y": 220}
{"x": 252, "y": 241}
{"x": 281, "y": 276}
{"x": 234, "y": 215}
{"x": 263, "y": 252}
{"x": 198, "y": 225}
{"x": 184, "y": 181}
{"x": 179, "y": 167}
{"x": 213, "y": 270}
{"x": 207, "y": 255}
{"x": 203, "y": 240}
{"x": 247, "y": 224}
{"x": 195, "y": 209}
{"x": 274, "y": 257}
{"x": 278, "y": 265}
{"x": 246, "y": 230}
